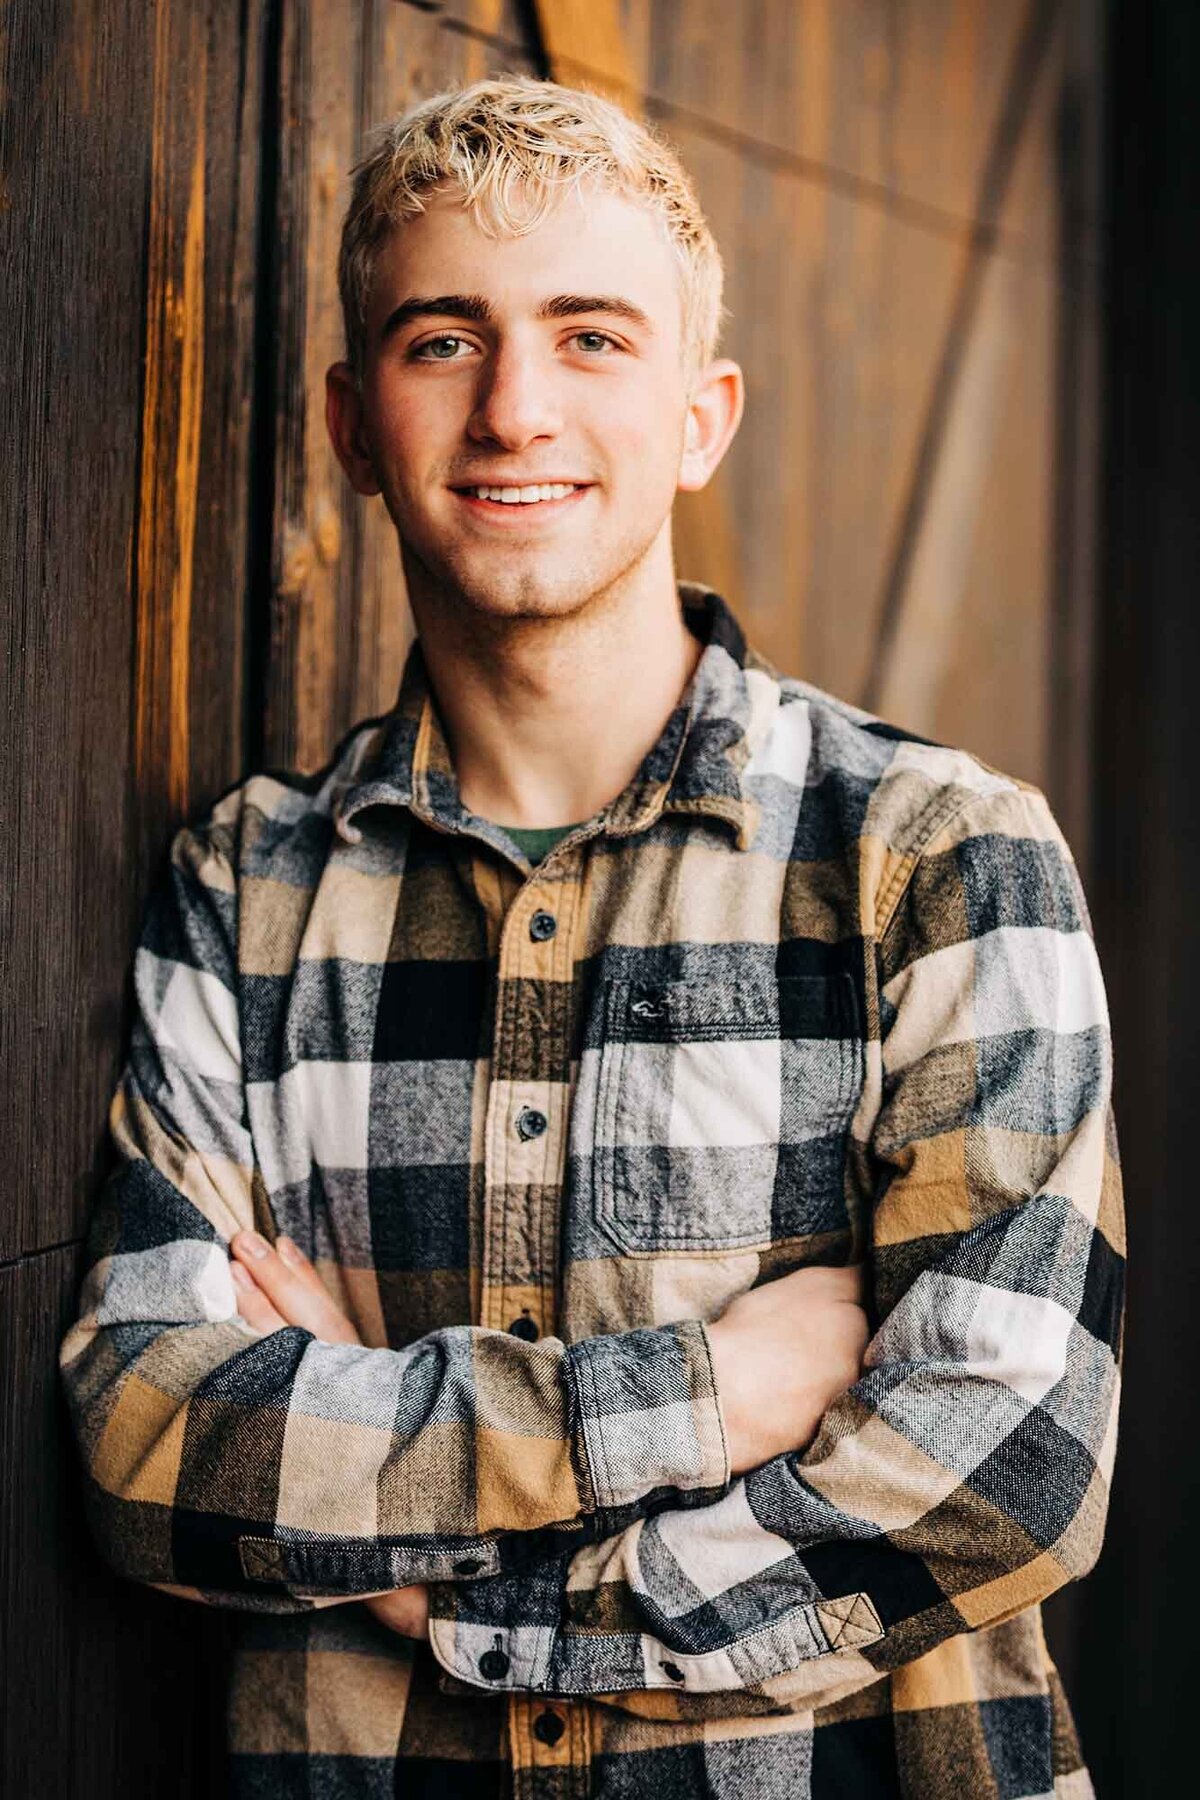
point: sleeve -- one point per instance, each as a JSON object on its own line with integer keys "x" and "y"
{"x": 965, "y": 1475}
{"x": 278, "y": 1471}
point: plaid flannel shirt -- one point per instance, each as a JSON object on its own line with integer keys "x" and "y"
{"x": 807, "y": 991}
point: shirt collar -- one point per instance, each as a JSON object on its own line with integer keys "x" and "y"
{"x": 695, "y": 768}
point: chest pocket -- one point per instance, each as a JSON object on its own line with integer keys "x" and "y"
{"x": 723, "y": 1109}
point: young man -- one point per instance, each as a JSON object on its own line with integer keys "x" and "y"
{"x": 615, "y": 1171}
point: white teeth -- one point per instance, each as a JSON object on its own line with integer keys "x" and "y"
{"x": 526, "y": 496}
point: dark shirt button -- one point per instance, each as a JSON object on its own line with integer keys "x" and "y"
{"x": 673, "y": 1670}
{"x": 470, "y": 1565}
{"x": 548, "y": 1727}
{"x": 493, "y": 1665}
{"x": 543, "y": 925}
{"x": 531, "y": 1123}
{"x": 524, "y": 1328}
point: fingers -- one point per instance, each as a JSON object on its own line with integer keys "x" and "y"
{"x": 252, "y": 1303}
{"x": 405, "y": 1610}
{"x": 292, "y": 1287}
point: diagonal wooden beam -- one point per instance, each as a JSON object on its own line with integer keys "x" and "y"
{"x": 584, "y": 41}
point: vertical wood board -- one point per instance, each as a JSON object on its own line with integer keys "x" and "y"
{"x": 129, "y": 226}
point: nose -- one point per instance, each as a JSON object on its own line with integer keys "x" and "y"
{"x": 517, "y": 399}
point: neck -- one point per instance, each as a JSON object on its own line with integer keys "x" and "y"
{"x": 548, "y": 719}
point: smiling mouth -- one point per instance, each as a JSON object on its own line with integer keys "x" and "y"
{"x": 544, "y": 496}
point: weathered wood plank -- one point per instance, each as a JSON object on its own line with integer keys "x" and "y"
{"x": 69, "y": 399}
{"x": 312, "y": 569}
{"x": 172, "y": 402}
{"x": 127, "y": 232}
{"x": 109, "y": 1690}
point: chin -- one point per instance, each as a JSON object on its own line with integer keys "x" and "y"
{"x": 509, "y": 582}
{"x": 533, "y": 599}
{"x": 529, "y": 593}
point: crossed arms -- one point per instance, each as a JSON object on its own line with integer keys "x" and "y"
{"x": 962, "y": 1476}
{"x": 802, "y": 1336}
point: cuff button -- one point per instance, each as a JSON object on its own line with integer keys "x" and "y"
{"x": 493, "y": 1664}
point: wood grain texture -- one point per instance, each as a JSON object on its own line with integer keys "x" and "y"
{"x": 109, "y": 1690}
{"x": 127, "y": 160}
{"x": 70, "y": 408}
{"x": 312, "y": 572}
{"x": 172, "y": 399}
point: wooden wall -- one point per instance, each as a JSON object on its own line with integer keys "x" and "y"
{"x": 905, "y": 193}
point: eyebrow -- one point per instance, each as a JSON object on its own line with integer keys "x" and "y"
{"x": 479, "y": 309}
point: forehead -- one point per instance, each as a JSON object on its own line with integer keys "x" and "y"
{"x": 589, "y": 242}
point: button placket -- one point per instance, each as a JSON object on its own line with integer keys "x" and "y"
{"x": 524, "y": 1134}
{"x": 551, "y": 1733}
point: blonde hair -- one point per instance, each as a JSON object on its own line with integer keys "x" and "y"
{"x": 513, "y": 145}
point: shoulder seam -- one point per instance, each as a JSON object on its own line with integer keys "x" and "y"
{"x": 925, "y": 829}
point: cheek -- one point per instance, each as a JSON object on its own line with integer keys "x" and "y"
{"x": 644, "y": 443}
{"x": 409, "y": 427}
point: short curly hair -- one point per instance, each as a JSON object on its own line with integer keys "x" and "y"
{"x": 513, "y": 145}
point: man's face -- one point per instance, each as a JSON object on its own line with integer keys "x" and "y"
{"x": 553, "y": 358}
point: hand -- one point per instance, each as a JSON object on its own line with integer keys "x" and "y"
{"x": 781, "y": 1354}
{"x": 278, "y": 1287}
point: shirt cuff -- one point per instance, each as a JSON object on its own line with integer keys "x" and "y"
{"x": 646, "y": 1413}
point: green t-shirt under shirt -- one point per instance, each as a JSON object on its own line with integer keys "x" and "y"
{"x": 537, "y": 841}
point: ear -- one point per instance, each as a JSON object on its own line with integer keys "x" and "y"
{"x": 714, "y": 413}
{"x": 344, "y": 420}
